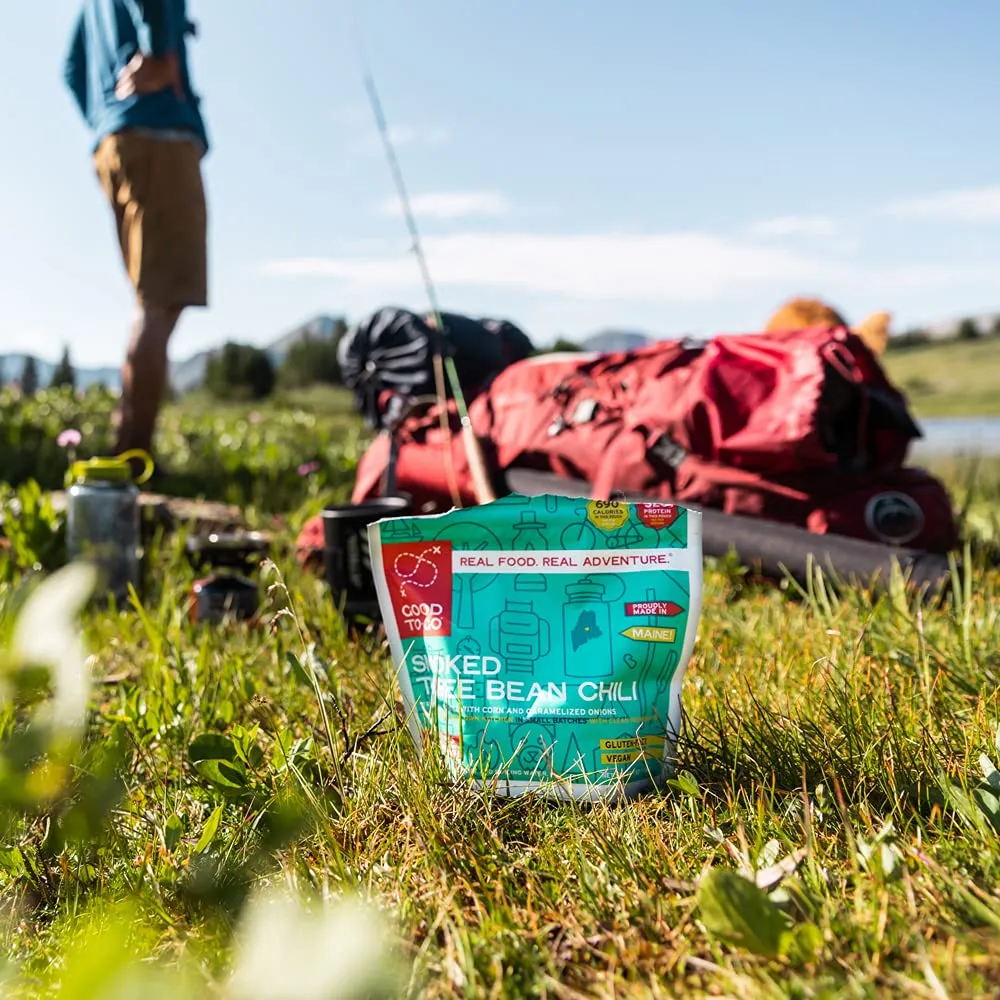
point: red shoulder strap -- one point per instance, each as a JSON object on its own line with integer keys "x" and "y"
{"x": 630, "y": 449}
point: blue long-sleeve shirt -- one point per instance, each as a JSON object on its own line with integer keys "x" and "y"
{"x": 107, "y": 34}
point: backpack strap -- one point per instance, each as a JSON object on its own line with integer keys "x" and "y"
{"x": 372, "y": 469}
{"x": 627, "y": 450}
{"x": 838, "y": 356}
{"x": 631, "y": 448}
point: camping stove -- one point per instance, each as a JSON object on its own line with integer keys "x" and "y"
{"x": 227, "y": 592}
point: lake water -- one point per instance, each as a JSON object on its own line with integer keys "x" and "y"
{"x": 957, "y": 435}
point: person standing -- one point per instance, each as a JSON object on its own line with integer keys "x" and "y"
{"x": 127, "y": 69}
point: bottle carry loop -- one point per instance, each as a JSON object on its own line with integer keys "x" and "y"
{"x": 116, "y": 469}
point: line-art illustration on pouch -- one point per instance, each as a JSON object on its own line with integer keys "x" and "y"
{"x": 520, "y": 636}
{"x": 588, "y": 639}
{"x": 579, "y": 535}
{"x": 532, "y": 743}
{"x": 468, "y": 537}
{"x": 529, "y": 537}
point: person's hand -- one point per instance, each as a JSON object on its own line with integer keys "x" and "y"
{"x": 149, "y": 75}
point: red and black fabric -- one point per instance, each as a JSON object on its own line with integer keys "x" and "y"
{"x": 801, "y": 427}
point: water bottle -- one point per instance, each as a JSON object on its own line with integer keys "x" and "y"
{"x": 102, "y": 519}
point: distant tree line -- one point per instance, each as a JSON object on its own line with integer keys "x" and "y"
{"x": 967, "y": 329}
{"x": 63, "y": 375}
{"x": 245, "y": 372}
{"x": 562, "y": 346}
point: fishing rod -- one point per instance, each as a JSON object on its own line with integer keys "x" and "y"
{"x": 444, "y": 363}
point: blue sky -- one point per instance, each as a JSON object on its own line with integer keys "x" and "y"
{"x": 673, "y": 166}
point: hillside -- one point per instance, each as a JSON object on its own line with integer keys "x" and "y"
{"x": 957, "y": 378}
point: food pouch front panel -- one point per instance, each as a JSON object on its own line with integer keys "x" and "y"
{"x": 541, "y": 642}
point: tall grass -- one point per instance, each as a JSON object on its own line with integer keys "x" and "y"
{"x": 833, "y": 828}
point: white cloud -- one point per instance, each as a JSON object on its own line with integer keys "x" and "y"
{"x": 900, "y": 278}
{"x": 407, "y": 135}
{"x": 369, "y": 141}
{"x": 449, "y": 205}
{"x": 358, "y": 124}
{"x": 662, "y": 267}
{"x": 969, "y": 205}
{"x": 795, "y": 225}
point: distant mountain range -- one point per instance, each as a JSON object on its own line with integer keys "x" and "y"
{"x": 607, "y": 341}
{"x": 12, "y": 365}
{"x": 185, "y": 375}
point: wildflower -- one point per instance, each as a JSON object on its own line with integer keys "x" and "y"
{"x": 290, "y": 950}
{"x": 255, "y": 417}
{"x": 47, "y": 634}
{"x": 308, "y": 468}
{"x": 69, "y": 438}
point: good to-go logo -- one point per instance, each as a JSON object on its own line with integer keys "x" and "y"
{"x": 419, "y": 579}
{"x": 416, "y": 569}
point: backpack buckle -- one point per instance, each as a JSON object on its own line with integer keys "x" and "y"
{"x": 668, "y": 451}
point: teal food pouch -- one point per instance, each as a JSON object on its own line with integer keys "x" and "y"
{"x": 541, "y": 642}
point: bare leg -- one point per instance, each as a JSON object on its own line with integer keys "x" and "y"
{"x": 144, "y": 375}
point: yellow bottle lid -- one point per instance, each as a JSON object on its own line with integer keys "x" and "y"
{"x": 111, "y": 470}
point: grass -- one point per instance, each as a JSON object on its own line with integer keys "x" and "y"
{"x": 844, "y": 731}
{"x": 321, "y": 400}
{"x": 957, "y": 379}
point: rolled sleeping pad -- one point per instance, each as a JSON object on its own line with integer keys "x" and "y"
{"x": 771, "y": 548}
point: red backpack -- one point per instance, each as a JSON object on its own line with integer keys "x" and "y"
{"x": 801, "y": 427}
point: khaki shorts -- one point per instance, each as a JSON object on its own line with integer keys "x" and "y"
{"x": 155, "y": 188}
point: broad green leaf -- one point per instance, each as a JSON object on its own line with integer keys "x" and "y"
{"x": 804, "y": 943}
{"x": 736, "y": 911}
{"x": 281, "y": 750}
{"x": 172, "y": 832}
{"x": 966, "y": 806}
{"x": 209, "y": 831}
{"x": 299, "y": 672}
{"x": 211, "y": 746}
{"x": 229, "y": 775}
{"x": 989, "y": 805}
{"x": 990, "y": 773}
{"x": 12, "y": 862}
{"x": 686, "y": 784}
